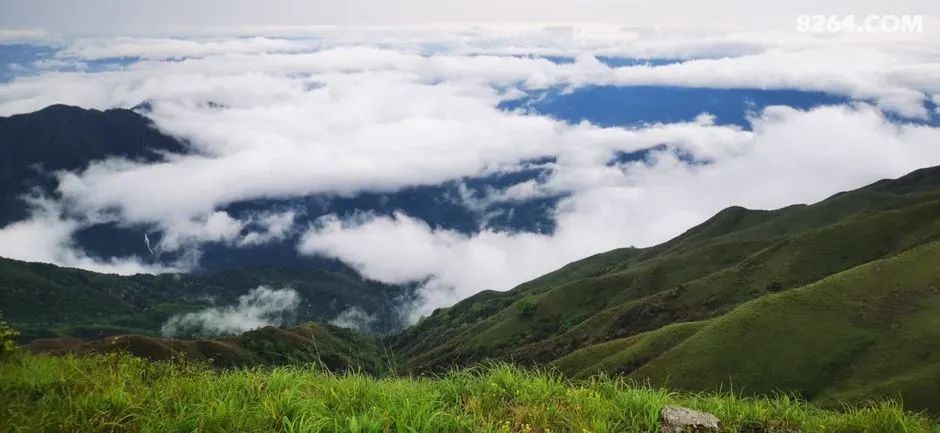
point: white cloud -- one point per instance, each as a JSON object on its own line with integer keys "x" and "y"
{"x": 898, "y": 73}
{"x": 274, "y": 227}
{"x": 789, "y": 159}
{"x": 354, "y": 318}
{"x": 260, "y": 307}
{"x": 450, "y": 128}
{"x": 384, "y": 109}
{"x": 217, "y": 226}
{"x": 363, "y": 138}
{"x": 174, "y": 48}
{"x": 23, "y": 35}
{"x": 46, "y": 238}
{"x": 854, "y": 71}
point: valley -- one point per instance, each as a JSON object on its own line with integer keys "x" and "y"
{"x": 832, "y": 302}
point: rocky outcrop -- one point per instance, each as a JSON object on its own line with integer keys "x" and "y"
{"x": 676, "y": 419}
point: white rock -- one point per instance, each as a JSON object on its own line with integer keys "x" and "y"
{"x": 676, "y": 419}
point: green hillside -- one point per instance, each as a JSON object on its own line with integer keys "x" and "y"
{"x": 832, "y": 301}
{"x": 869, "y": 331}
{"x": 332, "y": 348}
{"x": 46, "y": 301}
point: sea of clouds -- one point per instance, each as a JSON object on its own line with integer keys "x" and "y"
{"x": 343, "y": 111}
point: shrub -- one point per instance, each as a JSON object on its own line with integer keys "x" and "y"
{"x": 526, "y": 307}
{"x": 7, "y": 339}
{"x": 569, "y": 322}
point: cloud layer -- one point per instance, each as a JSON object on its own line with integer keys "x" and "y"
{"x": 789, "y": 158}
{"x": 272, "y": 118}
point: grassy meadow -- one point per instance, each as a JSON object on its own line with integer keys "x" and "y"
{"x": 120, "y": 393}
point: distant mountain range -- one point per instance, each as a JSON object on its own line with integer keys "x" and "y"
{"x": 34, "y": 146}
{"x": 832, "y": 301}
{"x": 835, "y": 301}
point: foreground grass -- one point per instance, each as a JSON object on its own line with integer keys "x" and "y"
{"x": 116, "y": 393}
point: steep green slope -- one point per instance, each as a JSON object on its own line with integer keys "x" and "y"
{"x": 874, "y": 327}
{"x": 627, "y": 311}
{"x": 48, "y": 301}
{"x": 625, "y": 355}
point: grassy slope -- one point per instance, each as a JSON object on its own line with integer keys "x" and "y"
{"x": 628, "y": 311}
{"x": 875, "y": 327}
{"x": 48, "y": 301}
{"x": 626, "y": 354}
{"x": 123, "y": 394}
{"x": 333, "y": 348}
{"x": 833, "y": 301}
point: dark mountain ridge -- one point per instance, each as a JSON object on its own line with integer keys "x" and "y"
{"x": 36, "y": 145}
{"x": 44, "y": 301}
